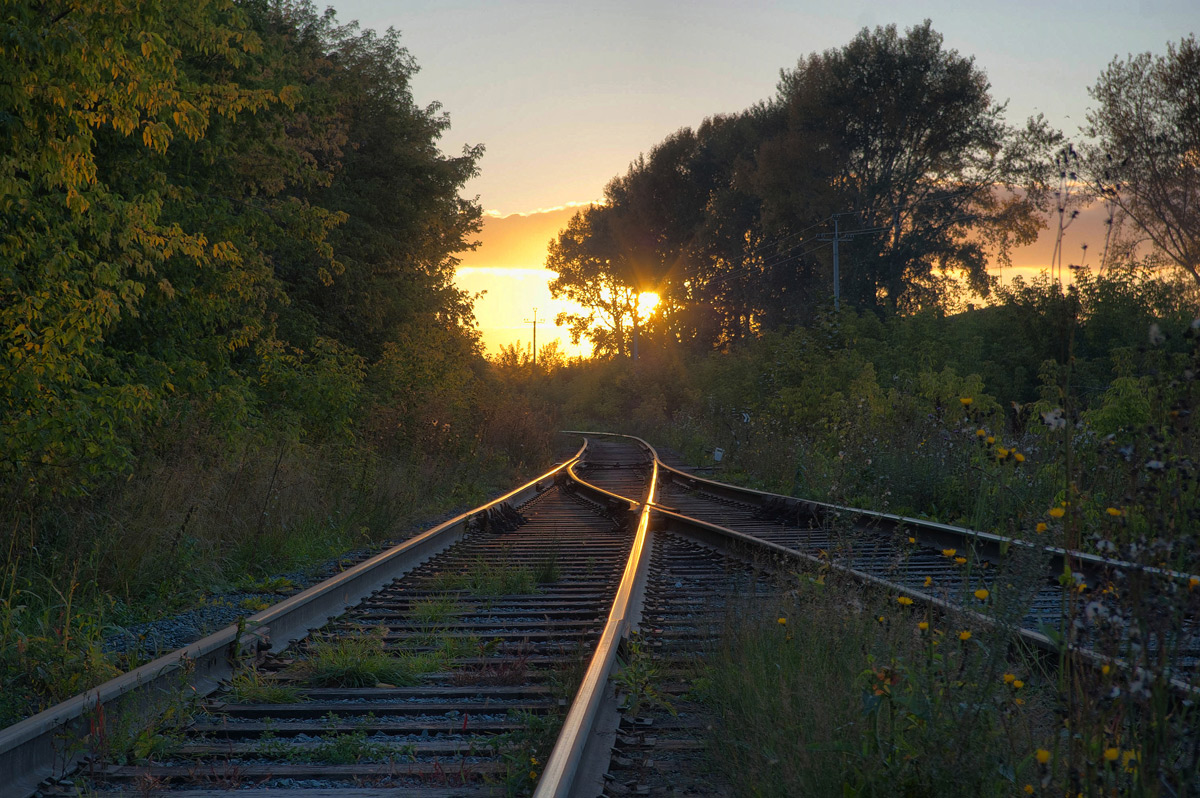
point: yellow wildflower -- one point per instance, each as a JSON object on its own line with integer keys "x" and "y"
{"x": 965, "y": 634}
{"x": 1001, "y": 452}
{"x": 1020, "y": 458}
{"x": 923, "y": 626}
{"x": 991, "y": 439}
{"x": 966, "y": 401}
{"x": 1193, "y": 583}
{"x": 949, "y": 552}
{"x": 905, "y": 600}
{"x": 912, "y": 539}
{"x": 1043, "y": 756}
{"x": 533, "y": 774}
{"x": 981, "y": 594}
{"x": 782, "y": 622}
{"x": 1105, "y": 669}
{"x": 928, "y": 581}
{"x": 1114, "y": 512}
{"x": 1041, "y": 527}
{"x": 979, "y": 433}
{"x": 1057, "y": 512}
{"x": 1018, "y": 684}
{"x": 961, "y": 560}
{"x": 1111, "y": 754}
{"x": 1028, "y": 788}
{"x": 1019, "y": 702}
{"x": 1009, "y": 678}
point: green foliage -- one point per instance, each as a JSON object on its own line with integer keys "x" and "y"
{"x": 362, "y": 660}
{"x": 251, "y": 686}
{"x": 833, "y": 694}
{"x": 483, "y": 577}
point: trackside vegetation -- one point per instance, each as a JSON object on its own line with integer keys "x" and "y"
{"x": 230, "y": 342}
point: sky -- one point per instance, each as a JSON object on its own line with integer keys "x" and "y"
{"x": 563, "y": 95}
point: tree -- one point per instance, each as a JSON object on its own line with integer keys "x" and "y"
{"x": 1145, "y": 155}
{"x": 902, "y": 138}
{"x": 598, "y": 272}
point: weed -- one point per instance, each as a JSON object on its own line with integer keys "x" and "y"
{"x": 251, "y": 686}
{"x": 523, "y": 750}
{"x": 436, "y": 610}
{"x": 636, "y": 679}
{"x": 547, "y": 570}
{"x": 253, "y": 604}
{"x": 486, "y": 578}
{"x": 266, "y": 584}
{"x": 360, "y": 660}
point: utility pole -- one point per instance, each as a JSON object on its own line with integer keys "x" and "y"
{"x": 838, "y": 237}
{"x": 534, "y": 323}
{"x": 837, "y": 282}
{"x": 837, "y": 278}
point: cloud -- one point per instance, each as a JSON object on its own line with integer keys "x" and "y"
{"x": 494, "y": 214}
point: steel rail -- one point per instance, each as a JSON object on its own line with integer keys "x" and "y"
{"x": 46, "y": 745}
{"x": 736, "y": 543}
{"x": 562, "y": 766}
{"x": 932, "y": 532}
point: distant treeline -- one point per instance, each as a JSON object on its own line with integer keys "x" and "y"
{"x": 218, "y": 214}
{"x": 894, "y": 147}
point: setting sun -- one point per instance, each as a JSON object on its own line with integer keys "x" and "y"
{"x": 647, "y": 302}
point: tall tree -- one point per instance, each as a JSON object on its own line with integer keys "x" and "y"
{"x": 902, "y": 138}
{"x": 1145, "y": 154}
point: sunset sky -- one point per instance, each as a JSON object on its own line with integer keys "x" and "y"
{"x": 565, "y": 95}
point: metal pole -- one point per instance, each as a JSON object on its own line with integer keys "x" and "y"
{"x": 837, "y": 287}
{"x": 534, "y": 323}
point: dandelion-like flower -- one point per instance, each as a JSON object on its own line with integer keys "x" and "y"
{"x": 1111, "y": 754}
{"x": 782, "y": 622}
{"x": 923, "y": 626}
{"x": 1028, "y": 788}
{"x": 1020, "y": 458}
{"x": 1041, "y": 527}
{"x": 1043, "y": 756}
{"x": 980, "y": 433}
{"x": 1018, "y": 684}
{"x": 949, "y": 552}
{"x": 1009, "y": 678}
{"x": 1105, "y": 669}
{"x": 966, "y": 401}
{"x": 965, "y": 634}
{"x": 912, "y": 539}
{"x": 961, "y": 560}
{"x": 991, "y": 439}
{"x": 1057, "y": 512}
{"x": 928, "y": 581}
{"x": 1114, "y": 512}
{"x": 1001, "y": 452}
{"x": 981, "y": 594}
{"x": 904, "y": 600}
{"x": 1193, "y": 583}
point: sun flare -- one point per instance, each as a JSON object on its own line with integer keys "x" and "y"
{"x": 647, "y": 302}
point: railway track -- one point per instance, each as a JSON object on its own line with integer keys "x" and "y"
{"x": 546, "y": 641}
